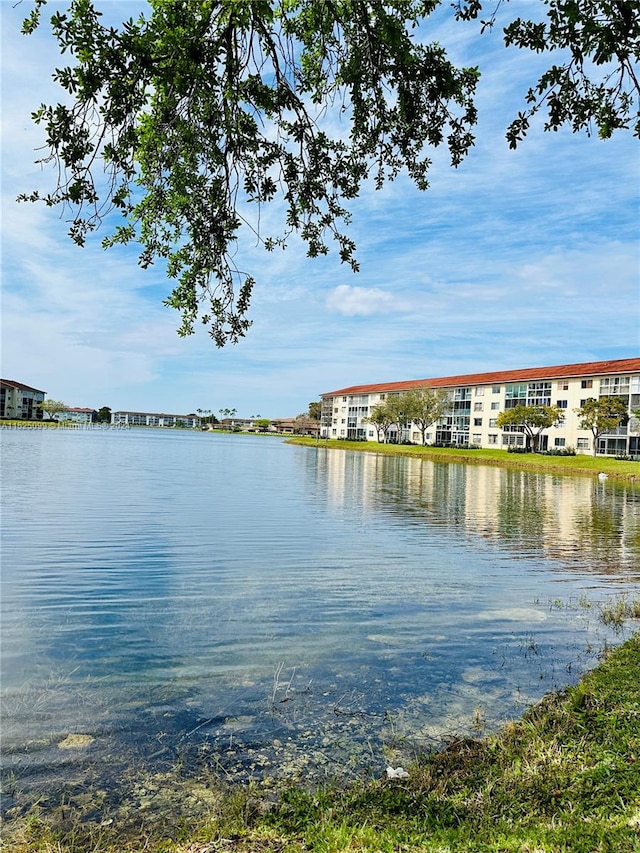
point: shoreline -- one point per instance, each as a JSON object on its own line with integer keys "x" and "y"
{"x": 565, "y": 776}
{"x": 580, "y": 465}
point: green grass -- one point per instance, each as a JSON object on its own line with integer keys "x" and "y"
{"x": 580, "y": 464}
{"x": 24, "y": 424}
{"x": 564, "y": 778}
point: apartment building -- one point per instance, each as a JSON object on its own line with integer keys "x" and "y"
{"x": 478, "y": 398}
{"x": 154, "y": 419}
{"x": 78, "y": 415}
{"x": 19, "y": 401}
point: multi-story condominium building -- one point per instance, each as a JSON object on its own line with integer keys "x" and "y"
{"x": 20, "y": 401}
{"x": 477, "y": 399}
{"x": 77, "y": 415}
{"x": 154, "y": 419}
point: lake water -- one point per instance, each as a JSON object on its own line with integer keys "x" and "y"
{"x": 191, "y": 602}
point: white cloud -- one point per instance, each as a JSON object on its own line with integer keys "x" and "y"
{"x": 363, "y": 301}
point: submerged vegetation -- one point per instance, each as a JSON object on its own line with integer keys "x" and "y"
{"x": 564, "y": 778}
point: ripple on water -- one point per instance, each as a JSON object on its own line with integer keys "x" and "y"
{"x": 179, "y": 603}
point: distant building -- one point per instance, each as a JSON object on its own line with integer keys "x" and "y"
{"x": 478, "y": 398}
{"x": 19, "y": 401}
{"x": 154, "y": 419}
{"x": 245, "y": 424}
{"x": 296, "y": 426}
{"x": 77, "y": 415}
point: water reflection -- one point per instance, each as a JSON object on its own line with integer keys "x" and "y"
{"x": 581, "y": 522}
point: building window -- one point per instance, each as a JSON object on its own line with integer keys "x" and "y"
{"x": 477, "y": 407}
{"x": 479, "y": 392}
{"x": 582, "y": 444}
{"x": 563, "y": 386}
{"x": 492, "y": 422}
{"x": 559, "y": 442}
{"x": 515, "y": 394}
{"x": 477, "y": 438}
{"x": 495, "y": 389}
{"x": 586, "y": 383}
{"x": 477, "y": 421}
{"x": 493, "y": 438}
{"x": 513, "y": 439}
{"x": 561, "y": 404}
{"x": 462, "y": 394}
{"x": 495, "y": 406}
{"x": 539, "y": 394}
{"x": 614, "y": 385}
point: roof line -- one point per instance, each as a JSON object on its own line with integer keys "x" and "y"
{"x": 589, "y": 368}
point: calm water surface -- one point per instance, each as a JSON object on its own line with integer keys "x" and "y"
{"x": 254, "y": 609}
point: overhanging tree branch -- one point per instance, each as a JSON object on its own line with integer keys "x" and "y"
{"x": 185, "y": 121}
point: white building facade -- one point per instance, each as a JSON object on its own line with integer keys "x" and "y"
{"x": 154, "y": 419}
{"x": 478, "y": 398}
{"x": 77, "y": 415}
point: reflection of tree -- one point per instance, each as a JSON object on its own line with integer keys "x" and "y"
{"x": 600, "y": 527}
{"x": 522, "y": 507}
{"x": 560, "y": 517}
{"x": 449, "y": 483}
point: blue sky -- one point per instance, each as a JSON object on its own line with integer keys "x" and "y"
{"x": 515, "y": 259}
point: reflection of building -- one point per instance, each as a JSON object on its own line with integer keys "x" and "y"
{"x": 154, "y": 419}
{"x": 527, "y": 512}
{"x": 20, "y": 401}
{"x": 478, "y": 398}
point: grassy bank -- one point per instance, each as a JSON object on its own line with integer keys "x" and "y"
{"x": 564, "y": 778}
{"x": 585, "y": 465}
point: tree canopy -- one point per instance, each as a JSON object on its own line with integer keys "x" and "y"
{"x": 425, "y": 406}
{"x": 315, "y": 410}
{"x": 103, "y": 415}
{"x": 602, "y": 415}
{"x": 190, "y": 119}
{"x": 420, "y": 406}
{"x": 382, "y": 419}
{"x": 530, "y": 420}
{"x": 53, "y": 407}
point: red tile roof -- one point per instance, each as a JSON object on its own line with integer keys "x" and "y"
{"x": 152, "y": 414}
{"x": 9, "y": 383}
{"x": 527, "y": 374}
